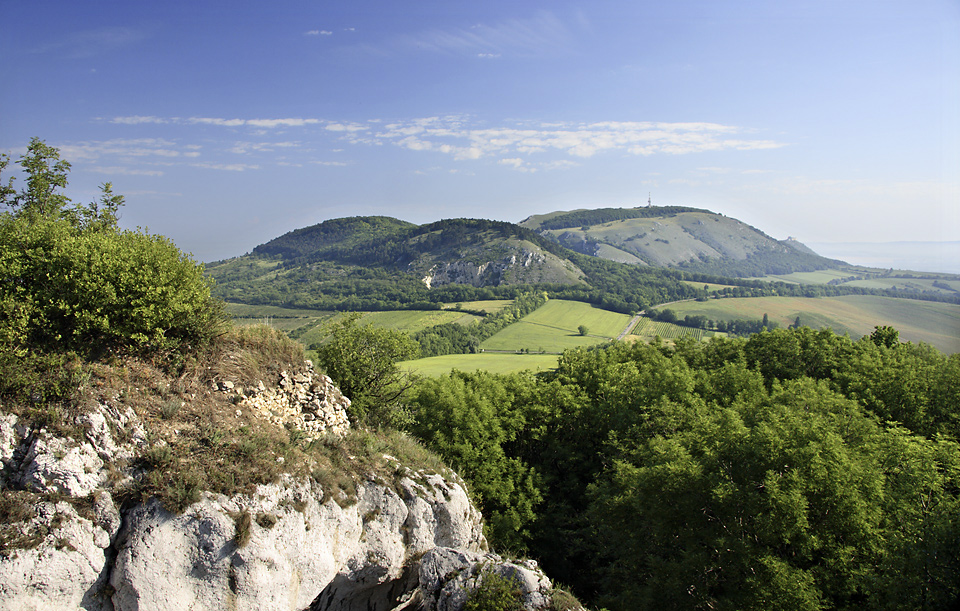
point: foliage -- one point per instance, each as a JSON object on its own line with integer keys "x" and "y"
{"x": 469, "y": 420}
{"x": 362, "y": 361}
{"x": 494, "y": 592}
{"x": 794, "y": 469}
{"x": 73, "y": 281}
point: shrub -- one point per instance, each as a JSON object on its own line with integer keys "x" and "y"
{"x": 71, "y": 280}
{"x": 494, "y": 592}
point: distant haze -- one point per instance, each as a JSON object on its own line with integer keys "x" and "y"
{"x": 918, "y": 256}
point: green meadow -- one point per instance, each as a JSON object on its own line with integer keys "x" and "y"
{"x": 934, "y": 323}
{"x": 554, "y": 327}
{"x": 492, "y": 362}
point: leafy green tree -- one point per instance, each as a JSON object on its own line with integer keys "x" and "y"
{"x": 472, "y": 420}
{"x": 583, "y": 330}
{"x": 885, "y": 336}
{"x": 46, "y": 176}
{"x": 759, "y": 504}
{"x": 362, "y": 360}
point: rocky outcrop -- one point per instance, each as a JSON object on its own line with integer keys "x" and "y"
{"x": 447, "y": 576}
{"x": 409, "y": 538}
{"x": 516, "y": 264}
{"x": 306, "y": 400}
{"x": 281, "y": 548}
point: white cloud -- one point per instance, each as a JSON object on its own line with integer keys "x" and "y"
{"x": 137, "y": 120}
{"x": 139, "y": 147}
{"x": 245, "y": 148}
{"x": 261, "y": 123}
{"x": 541, "y": 35}
{"x": 318, "y": 33}
{"x": 124, "y": 171}
{"x": 345, "y": 127}
{"x": 229, "y": 167}
{"x": 452, "y": 135}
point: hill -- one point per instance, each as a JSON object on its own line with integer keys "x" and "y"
{"x": 676, "y": 236}
{"x": 379, "y": 263}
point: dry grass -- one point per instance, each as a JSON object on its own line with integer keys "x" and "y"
{"x": 199, "y": 440}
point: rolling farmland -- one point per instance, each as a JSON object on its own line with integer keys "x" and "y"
{"x": 492, "y": 362}
{"x": 553, "y": 328}
{"x": 934, "y": 323}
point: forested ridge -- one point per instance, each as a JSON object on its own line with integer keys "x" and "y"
{"x": 364, "y": 263}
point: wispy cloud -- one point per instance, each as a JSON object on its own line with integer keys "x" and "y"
{"x": 543, "y": 34}
{"x": 124, "y": 171}
{"x": 138, "y": 120}
{"x": 229, "y": 167}
{"x": 522, "y": 146}
{"x": 452, "y": 136}
{"x": 89, "y": 43}
{"x": 246, "y": 148}
{"x": 318, "y": 33}
{"x": 216, "y": 121}
{"x": 263, "y": 123}
{"x": 140, "y": 147}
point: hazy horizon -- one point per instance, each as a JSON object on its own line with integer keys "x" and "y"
{"x": 922, "y": 256}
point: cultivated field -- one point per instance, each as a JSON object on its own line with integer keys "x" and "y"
{"x": 553, "y": 328}
{"x": 489, "y": 306}
{"x": 646, "y": 330}
{"x": 307, "y": 325}
{"x": 924, "y": 282}
{"x": 918, "y": 321}
{"x": 494, "y": 363}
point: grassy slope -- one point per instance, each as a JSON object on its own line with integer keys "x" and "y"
{"x": 918, "y": 321}
{"x": 672, "y": 239}
{"x": 553, "y": 328}
{"x": 494, "y": 363}
{"x": 922, "y": 284}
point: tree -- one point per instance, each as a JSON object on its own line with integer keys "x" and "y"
{"x": 46, "y": 174}
{"x": 471, "y": 420}
{"x": 583, "y": 330}
{"x": 885, "y": 336}
{"x": 362, "y": 360}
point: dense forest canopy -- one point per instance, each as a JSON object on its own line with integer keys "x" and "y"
{"x": 796, "y": 469}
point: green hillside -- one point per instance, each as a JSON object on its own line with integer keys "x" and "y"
{"x": 554, "y": 327}
{"x": 377, "y": 263}
{"x": 934, "y": 323}
{"x": 674, "y": 236}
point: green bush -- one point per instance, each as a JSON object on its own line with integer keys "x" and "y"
{"x": 494, "y": 592}
{"x": 71, "y": 280}
{"x": 101, "y": 291}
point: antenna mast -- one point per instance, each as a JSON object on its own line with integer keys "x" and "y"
{"x": 649, "y": 199}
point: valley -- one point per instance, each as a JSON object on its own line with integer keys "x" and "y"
{"x": 598, "y": 267}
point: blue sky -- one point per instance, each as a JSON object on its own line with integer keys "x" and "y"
{"x": 226, "y": 124}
